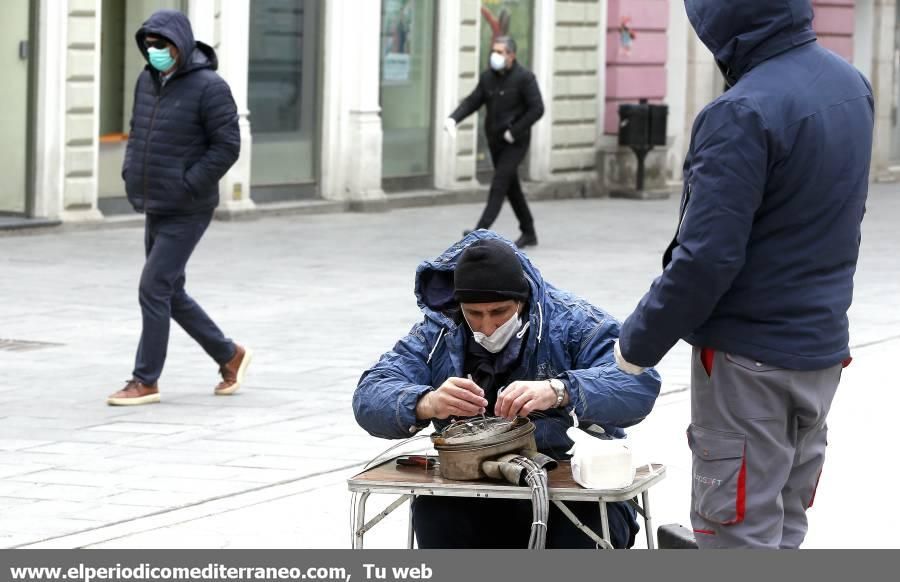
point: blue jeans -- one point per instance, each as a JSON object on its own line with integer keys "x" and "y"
{"x": 474, "y": 523}
{"x": 169, "y": 242}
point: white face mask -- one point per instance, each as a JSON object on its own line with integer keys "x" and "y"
{"x": 498, "y": 61}
{"x": 495, "y": 342}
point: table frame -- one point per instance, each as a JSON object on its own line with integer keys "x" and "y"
{"x": 407, "y": 489}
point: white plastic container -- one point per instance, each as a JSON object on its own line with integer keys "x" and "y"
{"x": 600, "y": 464}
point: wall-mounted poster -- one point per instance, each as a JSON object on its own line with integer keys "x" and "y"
{"x": 396, "y": 38}
{"x": 507, "y": 18}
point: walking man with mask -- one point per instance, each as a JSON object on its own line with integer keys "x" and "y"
{"x": 498, "y": 339}
{"x": 513, "y": 101}
{"x": 184, "y": 137}
{"x": 759, "y": 277}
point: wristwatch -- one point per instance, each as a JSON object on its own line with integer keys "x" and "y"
{"x": 560, "y": 390}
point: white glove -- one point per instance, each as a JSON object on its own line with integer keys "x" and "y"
{"x": 450, "y": 127}
{"x": 625, "y": 366}
{"x": 508, "y": 136}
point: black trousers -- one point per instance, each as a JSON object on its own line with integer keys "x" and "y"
{"x": 169, "y": 242}
{"x": 505, "y": 184}
{"x": 477, "y": 523}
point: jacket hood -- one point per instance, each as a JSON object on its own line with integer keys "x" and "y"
{"x": 743, "y": 33}
{"x": 175, "y": 26}
{"x": 434, "y": 280}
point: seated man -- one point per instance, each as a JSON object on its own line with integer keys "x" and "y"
{"x": 492, "y": 323}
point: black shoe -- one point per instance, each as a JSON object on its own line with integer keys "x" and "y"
{"x": 674, "y": 536}
{"x": 526, "y": 240}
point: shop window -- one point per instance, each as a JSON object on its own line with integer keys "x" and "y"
{"x": 407, "y": 87}
{"x": 282, "y": 98}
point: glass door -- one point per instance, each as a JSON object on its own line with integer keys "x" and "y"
{"x": 14, "y": 147}
{"x": 407, "y": 92}
{"x": 284, "y": 60}
{"x": 895, "y": 97}
{"x": 120, "y": 65}
{"x": 501, "y": 18}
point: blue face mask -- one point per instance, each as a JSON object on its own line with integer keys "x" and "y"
{"x": 160, "y": 59}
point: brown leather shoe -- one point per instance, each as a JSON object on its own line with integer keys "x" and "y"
{"x": 233, "y": 371}
{"x": 134, "y": 393}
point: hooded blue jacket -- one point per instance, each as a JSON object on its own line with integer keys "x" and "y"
{"x": 569, "y": 339}
{"x": 776, "y": 180}
{"x": 184, "y": 134}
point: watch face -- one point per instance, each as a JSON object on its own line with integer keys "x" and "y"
{"x": 560, "y": 390}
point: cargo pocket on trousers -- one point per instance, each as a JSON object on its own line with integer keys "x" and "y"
{"x": 719, "y": 474}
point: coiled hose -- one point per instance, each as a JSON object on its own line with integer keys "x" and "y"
{"x": 536, "y": 478}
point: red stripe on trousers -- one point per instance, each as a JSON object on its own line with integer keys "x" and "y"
{"x": 706, "y": 358}
{"x": 815, "y": 488}
{"x": 742, "y": 491}
{"x": 740, "y": 504}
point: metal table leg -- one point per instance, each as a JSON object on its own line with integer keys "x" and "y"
{"x": 577, "y": 523}
{"x": 648, "y": 521}
{"x": 359, "y": 529}
{"x": 362, "y": 529}
{"x": 411, "y": 534}
{"x": 604, "y": 522}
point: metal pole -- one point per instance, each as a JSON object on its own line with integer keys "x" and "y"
{"x": 411, "y": 534}
{"x": 641, "y": 156}
{"x": 359, "y": 528}
{"x": 604, "y": 522}
{"x": 648, "y": 521}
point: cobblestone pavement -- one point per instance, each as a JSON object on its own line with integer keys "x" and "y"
{"x": 319, "y": 298}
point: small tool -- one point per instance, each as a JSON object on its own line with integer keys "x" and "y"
{"x": 417, "y": 461}
{"x": 469, "y": 376}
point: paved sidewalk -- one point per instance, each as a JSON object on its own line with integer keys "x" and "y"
{"x": 319, "y": 298}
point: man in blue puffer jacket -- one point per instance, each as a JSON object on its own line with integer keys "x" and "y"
{"x": 760, "y": 274}
{"x": 491, "y": 322}
{"x": 184, "y": 137}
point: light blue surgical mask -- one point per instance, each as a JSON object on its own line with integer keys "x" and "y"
{"x": 160, "y": 59}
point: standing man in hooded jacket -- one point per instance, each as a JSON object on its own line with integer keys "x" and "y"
{"x": 513, "y": 101}
{"x": 184, "y": 137}
{"x": 759, "y": 277}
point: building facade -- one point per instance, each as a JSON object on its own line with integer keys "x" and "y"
{"x": 344, "y": 100}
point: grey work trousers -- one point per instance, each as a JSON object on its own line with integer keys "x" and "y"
{"x": 757, "y": 438}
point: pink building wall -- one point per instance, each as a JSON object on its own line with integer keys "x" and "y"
{"x": 834, "y": 24}
{"x": 640, "y": 73}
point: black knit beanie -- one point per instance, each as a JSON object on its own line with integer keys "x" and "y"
{"x": 489, "y": 271}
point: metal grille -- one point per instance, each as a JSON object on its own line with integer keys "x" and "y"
{"x": 475, "y": 429}
{"x": 14, "y": 345}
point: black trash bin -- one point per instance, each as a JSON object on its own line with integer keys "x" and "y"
{"x": 642, "y": 126}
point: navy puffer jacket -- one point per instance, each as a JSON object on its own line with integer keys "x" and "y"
{"x": 184, "y": 133}
{"x": 775, "y": 190}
